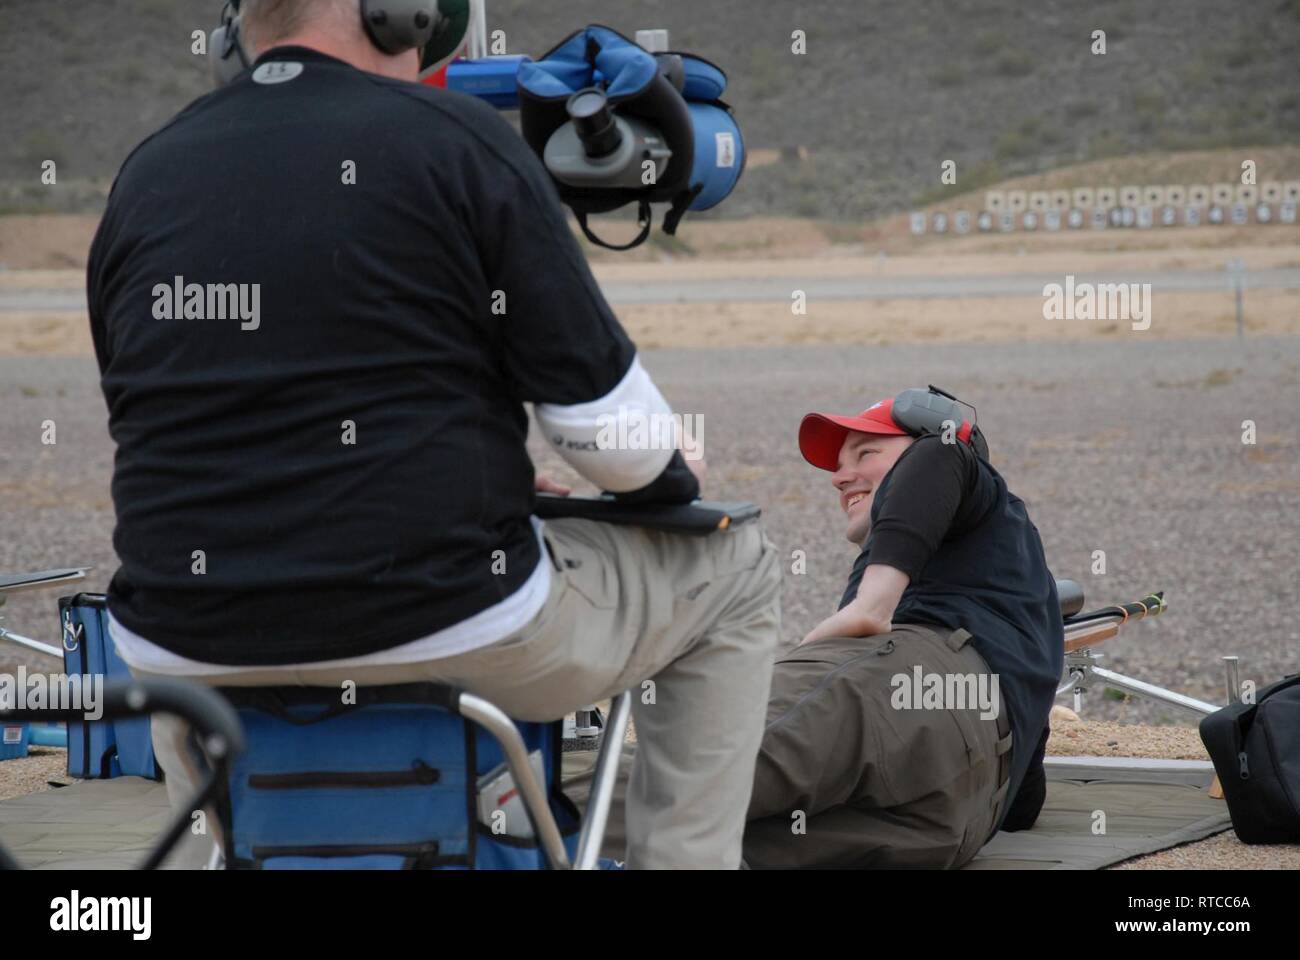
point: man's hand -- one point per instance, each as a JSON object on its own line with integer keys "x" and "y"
{"x": 870, "y": 611}
{"x": 543, "y": 483}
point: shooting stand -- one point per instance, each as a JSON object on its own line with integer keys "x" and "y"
{"x": 1084, "y": 631}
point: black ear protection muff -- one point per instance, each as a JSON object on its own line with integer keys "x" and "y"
{"x": 391, "y": 25}
{"x": 397, "y": 25}
{"x": 925, "y": 412}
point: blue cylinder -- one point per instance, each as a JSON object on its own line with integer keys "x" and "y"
{"x": 48, "y": 735}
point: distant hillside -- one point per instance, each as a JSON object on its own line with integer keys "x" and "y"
{"x": 886, "y": 92}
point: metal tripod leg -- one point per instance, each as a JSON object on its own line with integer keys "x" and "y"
{"x": 1082, "y": 667}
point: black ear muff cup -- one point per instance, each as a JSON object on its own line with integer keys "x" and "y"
{"x": 395, "y": 26}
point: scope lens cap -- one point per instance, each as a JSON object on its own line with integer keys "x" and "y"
{"x": 587, "y": 103}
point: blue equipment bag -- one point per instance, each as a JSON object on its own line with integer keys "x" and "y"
{"x": 708, "y": 152}
{"x": 388, "y": 782}
{"x": 100, "y": 749}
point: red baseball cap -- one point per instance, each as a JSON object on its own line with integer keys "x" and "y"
{"x": 821, "y": 435}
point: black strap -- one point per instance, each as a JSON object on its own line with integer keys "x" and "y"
{"x": 328, "y": 703}
{"x": 642, "y": 217}
{"x": 681, "y": 203}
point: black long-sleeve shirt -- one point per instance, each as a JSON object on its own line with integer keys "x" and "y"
{"x": 320, "y": 301}
{"x": 973, "y": 558}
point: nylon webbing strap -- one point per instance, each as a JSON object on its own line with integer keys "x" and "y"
{"x": 957, "y": 639}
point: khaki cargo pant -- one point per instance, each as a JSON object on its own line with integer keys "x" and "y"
{"x": 844, "y": 779}
{"x": 697, "y": 616}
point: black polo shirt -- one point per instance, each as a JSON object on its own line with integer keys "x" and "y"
{"x": 945, "y": 517}
{"x": 319, "y": 302}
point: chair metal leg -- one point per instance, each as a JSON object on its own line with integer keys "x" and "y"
{"x": 602, "y": 784}
{"x": 493, "y": 719}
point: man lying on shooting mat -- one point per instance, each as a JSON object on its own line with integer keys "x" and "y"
{"x": 911, "y": 724}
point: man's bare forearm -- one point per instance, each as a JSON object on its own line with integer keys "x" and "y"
{"x": 881, "y": 588}
{"x": 869, "y": 613}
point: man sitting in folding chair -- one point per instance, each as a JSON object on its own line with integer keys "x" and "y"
{"x": 911, "y": 724}
{"x": 319, "y": 298}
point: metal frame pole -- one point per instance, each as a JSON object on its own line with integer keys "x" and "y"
{"x": 602, "y": 784}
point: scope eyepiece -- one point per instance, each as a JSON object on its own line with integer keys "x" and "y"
{"x": 593, "y": 122}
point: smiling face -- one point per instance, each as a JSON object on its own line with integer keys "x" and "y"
{"x": 865, "y": 458}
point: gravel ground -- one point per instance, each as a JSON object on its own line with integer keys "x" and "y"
{"x": 34, "y": 772}
{"x": 1222, "y": 851}
{"x": 1131, "y": 448}
{"x": 1073, "y": 736}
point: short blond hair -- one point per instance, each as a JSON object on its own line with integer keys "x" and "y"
{"x": 266, "y": 22}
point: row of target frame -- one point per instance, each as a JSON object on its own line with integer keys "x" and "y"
{"x": 1087, "y": 198}
{"x": 1100, "y": 218}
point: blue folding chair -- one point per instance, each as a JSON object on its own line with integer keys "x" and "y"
{"x": 412, "y": 776}
{"x": 299, "y": 779}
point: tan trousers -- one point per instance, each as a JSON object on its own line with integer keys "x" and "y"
{"x": 689, "y": 624}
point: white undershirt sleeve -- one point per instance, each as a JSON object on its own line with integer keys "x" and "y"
{"x": 621, "y": 441}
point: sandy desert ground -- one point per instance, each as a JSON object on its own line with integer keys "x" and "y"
{"x": 1117, "y": 439}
